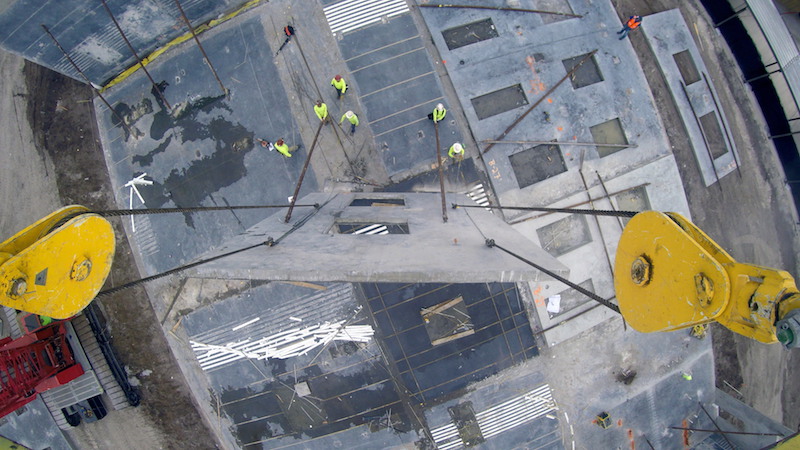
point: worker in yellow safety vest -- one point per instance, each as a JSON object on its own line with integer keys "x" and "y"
{"x": 340, "y": 85}
{"x": 283, "y": 148}
{"x": 438, "y": 113}
{"x": 456, "y": 151}
{"x": 352, "y": 118}
{"x": 322, "y": 110}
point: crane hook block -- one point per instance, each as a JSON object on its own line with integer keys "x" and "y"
{"x": 670, "y": 275}
{"x": 56, "y": 266}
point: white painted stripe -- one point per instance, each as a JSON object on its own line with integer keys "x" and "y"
{"x": 512, "y": 412}
{"x": 538, "y": 391}
{"x": 479, "y": 196}
{"x": 501, "y": 417}
{"x": 249, "y": 322}
{"x": 373, "y": 229}
{"x": 444, "y": 432}
{"x": 282, "y": 345}
{"x": 515, "y": 412}
{"x": 351, "y": 15}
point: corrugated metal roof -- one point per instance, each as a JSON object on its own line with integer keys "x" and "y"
{"x": 780, "y": 40}
{"x": 771, "y": 23}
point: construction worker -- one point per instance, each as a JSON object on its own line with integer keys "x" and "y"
{"x": 438, "y": 113}
{"x": 632, "y": 24}
{"x": 340, "y": 85}
{"x": 322, "y": 110}
{"x": 456, "y": 151}
{"x": 283, "y": 148}
{"x": 352, "y": 118}
{"x": 288, "y": 30}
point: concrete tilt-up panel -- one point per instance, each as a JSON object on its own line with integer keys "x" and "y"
{"x": 431, "y": 251}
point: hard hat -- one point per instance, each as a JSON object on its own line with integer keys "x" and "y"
{"x": 337, "y": 77}
{"x": 349, "y": 114}
{"x": 457, "y": 148}
{"x": 440, "y": 106}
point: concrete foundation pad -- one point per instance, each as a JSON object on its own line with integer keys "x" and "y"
{"x": 694, "y": 94}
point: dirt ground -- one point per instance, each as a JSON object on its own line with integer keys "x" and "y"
{"x": 60, "y": 114}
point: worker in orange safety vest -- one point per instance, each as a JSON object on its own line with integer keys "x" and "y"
{"x": 632, "y": 24}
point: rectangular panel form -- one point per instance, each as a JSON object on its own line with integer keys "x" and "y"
{"x": 378, "y": 202}
{"x": 587, "y": 73}
{"x": 371, "y": 228}
{"x": 713, "y": 134}
{"x": 565, "y": 235}
{"x": 537, "y": 164}
{"x": 687, "y": 67}
{"x": 633, "y": 200}
{"x": 467, "y": 423}
{"x": 469, "y": 34}
{"x": 609, "y": 132}
{"x": 447, "y": 321}
{"x": 561, "y": 6}
{"x": 500, "y": 101}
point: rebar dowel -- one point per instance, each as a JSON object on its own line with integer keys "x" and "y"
{"x": 590, "y": 144}
{"x": 516, "y": 221}
{"x": 715, "y": 424}
{"x": 608, "y": 196}
{"x": 441, "y": 172}
{"x": 500, "y": 8}
{"x": 702, "y": 134}
{"x": 597, "y": 221}
{"x": 200, "y": 46}
{"x": 727, "y": 432}
{"x": 136, "y": 55}
{"x": 88, "y": 81}
{"x": 303, "y": 173}
{"x": 549, "y": 91}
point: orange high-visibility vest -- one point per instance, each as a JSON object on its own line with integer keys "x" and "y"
{"x": 633, "y": 23}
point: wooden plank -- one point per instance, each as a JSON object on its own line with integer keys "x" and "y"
{"x": 452, "y": 337}
{"x": 426, "y": 312}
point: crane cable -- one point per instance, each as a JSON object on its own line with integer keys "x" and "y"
{"x": 270, "y": 242}
{"x": 132, "y": 212}
{"x": 591, "y": 212}
{"x": 491, "y": 243}
{"x": 588, "y": 212}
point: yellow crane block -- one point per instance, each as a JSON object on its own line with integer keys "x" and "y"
{"x": 56, "y": 266}
{"x": 670, "y": 275}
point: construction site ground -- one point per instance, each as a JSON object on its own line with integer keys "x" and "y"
{"x": 51, "y": 155}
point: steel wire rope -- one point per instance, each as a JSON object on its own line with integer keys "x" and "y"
{"x": 270, "y": 242}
